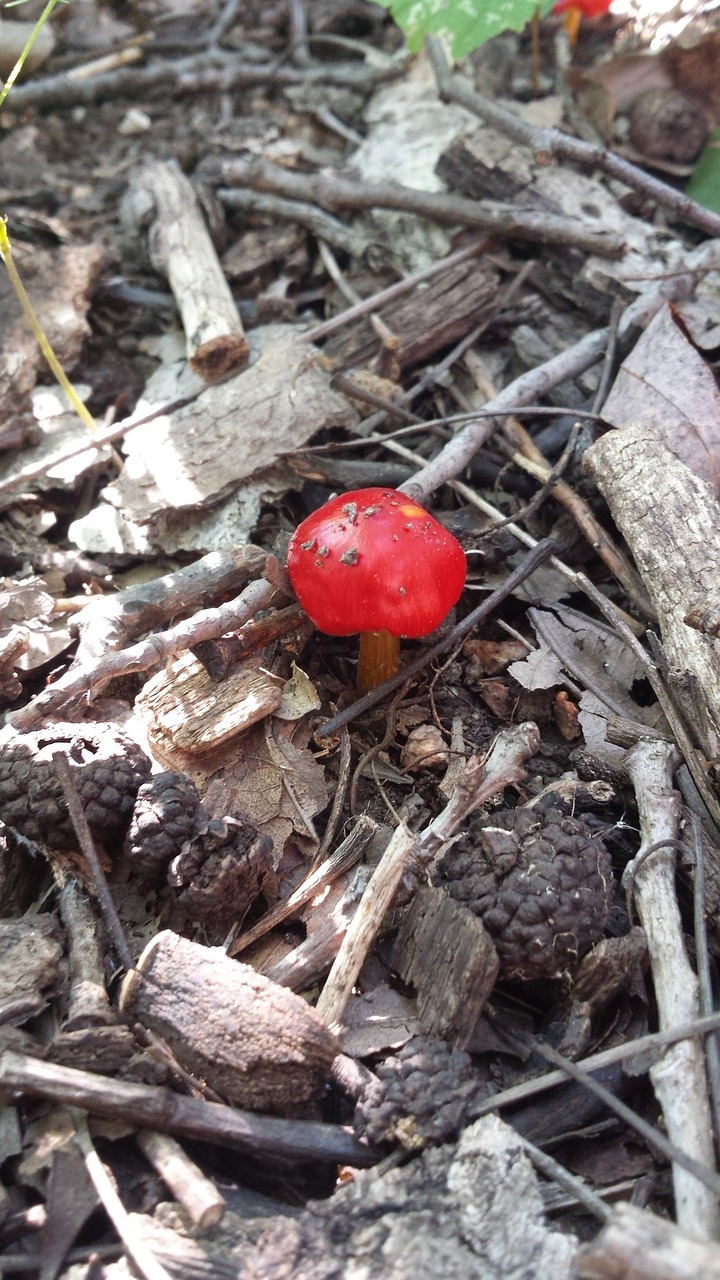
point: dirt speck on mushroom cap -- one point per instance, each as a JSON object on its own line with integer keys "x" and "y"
{"x": 386, "y": 563}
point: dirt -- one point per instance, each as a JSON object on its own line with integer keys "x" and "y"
{"x": 145, "y": 594}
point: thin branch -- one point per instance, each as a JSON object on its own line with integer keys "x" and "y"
{"x": 86, "y": 845}
{"x": 335, "y": 194}
{"x": 549, "y": 144}
{"x": 156, "y": 1107}
{"x": 208, "y": 624}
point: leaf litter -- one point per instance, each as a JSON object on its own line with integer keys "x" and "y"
{"x": 440, "y": 822}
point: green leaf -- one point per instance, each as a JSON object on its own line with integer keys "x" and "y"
{"x": 704, "y": 184}
{"x": 469, "y": 23}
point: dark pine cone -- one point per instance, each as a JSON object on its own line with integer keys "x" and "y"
{"x": 222, "y": 870}
{"x": 107, "y": 766}
{"x": 426, "y": 1092}
{"x": 163, "y": 820}
{"x": 541, "y": 883}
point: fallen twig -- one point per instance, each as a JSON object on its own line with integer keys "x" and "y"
{"x": 679, "y": 1078}
{"x": 86, "y": 845}
{"x": 549, "y": 144}
{"x": 211, "y": 72}
{"x": 334, "y": 193}
{"x": 408, "y": 854}
{"x": 208, "y": 624}
{"x": 149, "y": 1106}
{"x": 142, "y": 1256}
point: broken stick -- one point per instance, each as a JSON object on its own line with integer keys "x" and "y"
{"x": 181, "y": 249}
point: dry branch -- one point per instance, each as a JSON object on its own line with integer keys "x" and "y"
{"x": 679, "y": 1077}
{"x": 408, "y": 856}
{"x": 549, "y": 144}
{"x": 161, "y": 197}
{"x": 150, "y": 1107}
{"x": 335, "y": 194}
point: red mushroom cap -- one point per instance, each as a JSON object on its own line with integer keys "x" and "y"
{"x": 588, "y": 8}
{"x": 374, "y": 560}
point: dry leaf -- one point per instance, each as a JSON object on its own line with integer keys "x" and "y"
{"x": 665, "y": 382}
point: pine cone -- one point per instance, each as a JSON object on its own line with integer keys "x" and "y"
{"x": 164, "y": 818}
{"x": 426, "y": 1092}
{"x": 222, "y": 870}
{"x": 541, "y": 883}
{"x": 108, "y": 768}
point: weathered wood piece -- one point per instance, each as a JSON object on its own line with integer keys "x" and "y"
{"x": 258, "y": 1045}
{"x": 434, "y": 317}
{"x": 188, "y": 711}
{"x": 446, "y": 953}
{"x": 671, "y": 522}
{"x": 488, "y": 165}
{"x": 200, "y": 453}
{"x": 180, "y": 247}
{"x": 637, "y": 1245}
{"x": 471, "y": 1211}
{"x": 197, "y": 1194}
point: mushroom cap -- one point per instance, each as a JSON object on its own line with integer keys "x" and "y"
{"x": 372, "y": 560}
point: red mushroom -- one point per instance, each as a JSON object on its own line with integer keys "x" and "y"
{"x": 574, "y": 11}
{"x": 376, "y": 562}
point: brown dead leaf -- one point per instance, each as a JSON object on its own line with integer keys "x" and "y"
{"x": 491, "y": 656}
{"x": 276, "y": 783}
{"x": 664, "y": 381}
{"x": 693, "y": 63}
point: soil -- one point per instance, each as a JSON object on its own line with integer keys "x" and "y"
{"x": 316, "y": 936}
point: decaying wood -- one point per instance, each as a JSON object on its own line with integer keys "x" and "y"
{"x": 447, "y": 955}
{"x": 448, "y": 307}
{"x": 408, "y": 857}
{"x": 188, "y": 711}
{"x": 181, "y": 249}
{"x": 468, "y": 1210}
{"x": 197, "y": 1194}
{"x": 638, "y": 1245}
{"x": 377, "y": 301}
{"x": 255, "y": 1043}
{"x": 148, "y": 1106}
{"x": 679, "y": 1078}
{"x": 111, "y": 621}
{"x": 671, "y": 522}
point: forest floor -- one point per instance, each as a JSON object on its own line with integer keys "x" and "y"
{"x": 295, "y": 980}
